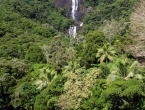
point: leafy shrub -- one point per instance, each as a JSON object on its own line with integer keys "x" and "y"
{"x": 94, "y": 40}
{"x": 35, "y": 55}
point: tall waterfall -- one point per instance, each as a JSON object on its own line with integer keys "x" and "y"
{"x": 74, "y": 8}
{"x": 73, "y": 29}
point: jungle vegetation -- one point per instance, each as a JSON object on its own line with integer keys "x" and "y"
{"x": 42, "y": 68}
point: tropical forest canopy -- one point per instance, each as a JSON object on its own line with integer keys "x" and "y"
{"x": 42, "y": 68}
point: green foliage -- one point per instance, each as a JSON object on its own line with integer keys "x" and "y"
{"x": 24, "y": 96}
{"x": 90, "y": 2}
{"x": 106, "y": 10}
{"x": 124, "y": 69}
{"x": 105, "y": 69}
{"x": 79, "y": 49}
{"x": 46, "y": 32}
{"x": 48, "y": 98}
{"x": 1, "y": 94}
{"x": 10, "y": 71}
{"x": 119, "y": 95}
{"x": 5, "y": 66}
{"x": 106, "y": 53}
{"x": 82, "y": 82}
{"x": 114, "y": 29}
{"x": 17, "y": 47}
{"x": 94, "y": 40}
{"x": 58, "y": 21}
{"x": 43, "y": 11}
{"x": 92, "y": 102}
{"x": 20, "y": 68}
{"x": 46, "y": 76}
{"x": 36, "y": 71}
{"x": 127, "y": 94}
{"x": 58, "y": 53}
{"x": 23, "y": 20}
{"x": 19, "y": 25}
{"x": 33, "y": 32}
{"x": 6, "y": 82}
{"x": 35, "y": 55}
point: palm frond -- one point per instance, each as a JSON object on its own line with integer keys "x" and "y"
{"x": 102, "y": 58}
{"x": 139, "y": 76}
{"x": 134, "y": 65}
{"x": 130, "y": 75}
{"x": 110, "y": 57}
{"x": 112, "y": 77}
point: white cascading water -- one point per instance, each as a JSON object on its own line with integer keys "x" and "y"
{"x": 73, "y": 29}
{"x": 81, "y": 24}
{"x": 74, "y": 8}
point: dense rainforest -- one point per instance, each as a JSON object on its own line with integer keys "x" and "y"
{"x": 43, "y": 68}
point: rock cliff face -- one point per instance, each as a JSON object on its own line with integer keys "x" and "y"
{"x": 81, "y": 12}
{"x": 63, "y": 3}
{"x": 137, "y": 28}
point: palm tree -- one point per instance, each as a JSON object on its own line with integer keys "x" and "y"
{"x": 105, "y": 53}
{"x": 46, "y": 76}
{"x": 122, "y": 64}
{"x": 133, "y": 71}
{"x": 71, "y": 67}
{"x": 128, "y": 69}
{"x": 114, "y": 74}
{"x": 121, "y": 68}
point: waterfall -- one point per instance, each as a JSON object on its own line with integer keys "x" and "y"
{"x": 81, "y": 24}
{"x": 74, "y": 8}
{"x": 73, "y": 29}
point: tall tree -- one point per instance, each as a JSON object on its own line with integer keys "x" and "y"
{"x": 24, "y": 96}
{"x": 94, "y": 40}
{"x": 48, "y": 98}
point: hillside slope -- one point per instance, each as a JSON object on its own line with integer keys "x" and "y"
{"x": 41, "y": 68}
{"x": 137, "y": 27}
